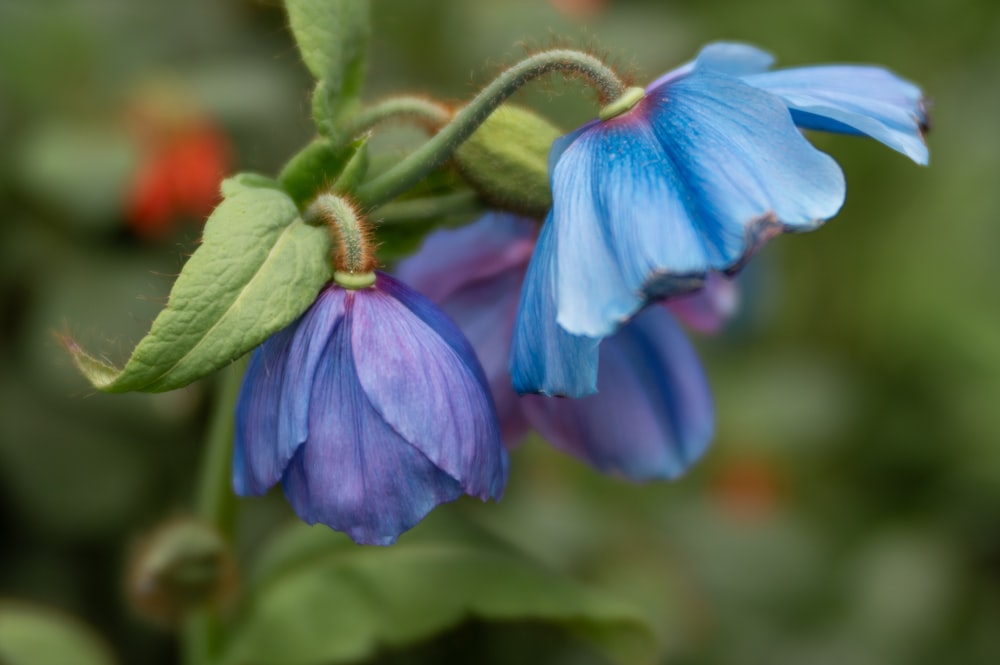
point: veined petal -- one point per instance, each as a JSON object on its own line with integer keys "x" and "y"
{"x": 474, "y": 275}
{"x": 621, "y": 223}
{"x": 259, "y": 454}
{"x": 272, "y": 409}
{"x": 544, "y": 358}
{"x": 853, "y": 99}
{"x": 356, "y": 473}
{"x": 743, "y": 161}
{"x": 652, "y": 417}
{"x": 422, "y": 377}
{"x": 485, "y": 310}
{"x": 304, "y": 356}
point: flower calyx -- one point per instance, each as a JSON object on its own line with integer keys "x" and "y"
{"x": 624, "y": 103}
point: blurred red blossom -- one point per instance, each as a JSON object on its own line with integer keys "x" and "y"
{"x": 182, "y": 157}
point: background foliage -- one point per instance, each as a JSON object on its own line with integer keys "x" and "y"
{"x": 849, "y": 510}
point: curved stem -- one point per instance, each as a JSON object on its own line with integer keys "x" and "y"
{"x": 429, "y": 208}
{"x": 438, "y": 149}
{"x": 354, "y": 251}
{"x": 423, "y": 111}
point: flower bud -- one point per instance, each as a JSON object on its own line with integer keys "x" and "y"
{"x": 183, "y": 565}
{"x": 506, "y": 160}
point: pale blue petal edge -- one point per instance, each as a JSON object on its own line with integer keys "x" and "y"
{"x": 853, "y": 99}
{"x": 544, "y": 358}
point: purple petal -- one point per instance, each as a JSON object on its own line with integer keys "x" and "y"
{"x": 707, "y": 309}
{"x": 272, "y": 409}
{"x": 451, "y": 258}
{"x": 485, "y": 311}
{"x": 422, "y": 377}
{"x": 259, "y": 459}
{"x": 474, "y": 275}
{"x": 652, "y": 417}
{"x": 356, "y": 473}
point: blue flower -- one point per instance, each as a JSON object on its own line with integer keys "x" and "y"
{"x": 704, "y": 168}
{"x": 653, "y": 416}
{"x": 371, "y": 409}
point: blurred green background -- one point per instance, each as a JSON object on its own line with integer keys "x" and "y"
{"x": 849, "y": 510}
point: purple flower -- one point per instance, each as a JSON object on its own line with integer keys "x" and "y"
{"x": 371, "y": 409}
{"x": 706, "y": 166}
{"x": 652, "y": 417}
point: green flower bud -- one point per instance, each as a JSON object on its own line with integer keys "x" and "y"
{"x": 506, "y": 160}
{"x": 181, "y": 566}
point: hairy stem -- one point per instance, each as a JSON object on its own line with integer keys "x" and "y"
{"x": 439, "y": 149}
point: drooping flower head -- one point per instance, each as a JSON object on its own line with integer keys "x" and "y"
{"x": 652, "y": 417}
{"x": 371, "y": 409}
{"x": 687, "y": 177}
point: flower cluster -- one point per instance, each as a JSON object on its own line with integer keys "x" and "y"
{"x": 373, "y": 407}
{"x": 652, "y": 415}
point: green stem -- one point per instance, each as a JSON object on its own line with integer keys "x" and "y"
{"x": 438, "y": 149}
{"x": 424, "y": 111}
{"x": 354, "y": 252}
{"x": 215, "y": 504}
{"x": 429, "y": 208}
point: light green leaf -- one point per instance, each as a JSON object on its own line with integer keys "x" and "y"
{"x": 333, "y": 38}
{"x": 318, "y": 599}
{"x": 31, "y": 635}
{"x": 258, "y": 268}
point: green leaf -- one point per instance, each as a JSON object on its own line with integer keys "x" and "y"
{"x": 31, "y": 635}
{"x": 333, "y": 38}
{"x": 258, "y": 268}
{"x": 316, "y": 598}
{"x": 321, "y": 165}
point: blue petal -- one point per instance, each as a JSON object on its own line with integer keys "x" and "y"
{"x": 691, "y": 180}
{"x": 730, "y": 58}
{"x": 544, "y": 358}
{"x": 272, "y": 409}
{"x": 422, "y": 377}
{"x": 652, "y": 417}
{"x": 847, "y": 99}
{"x": 618, "y": 219}
{"x": 356, "y": 473}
